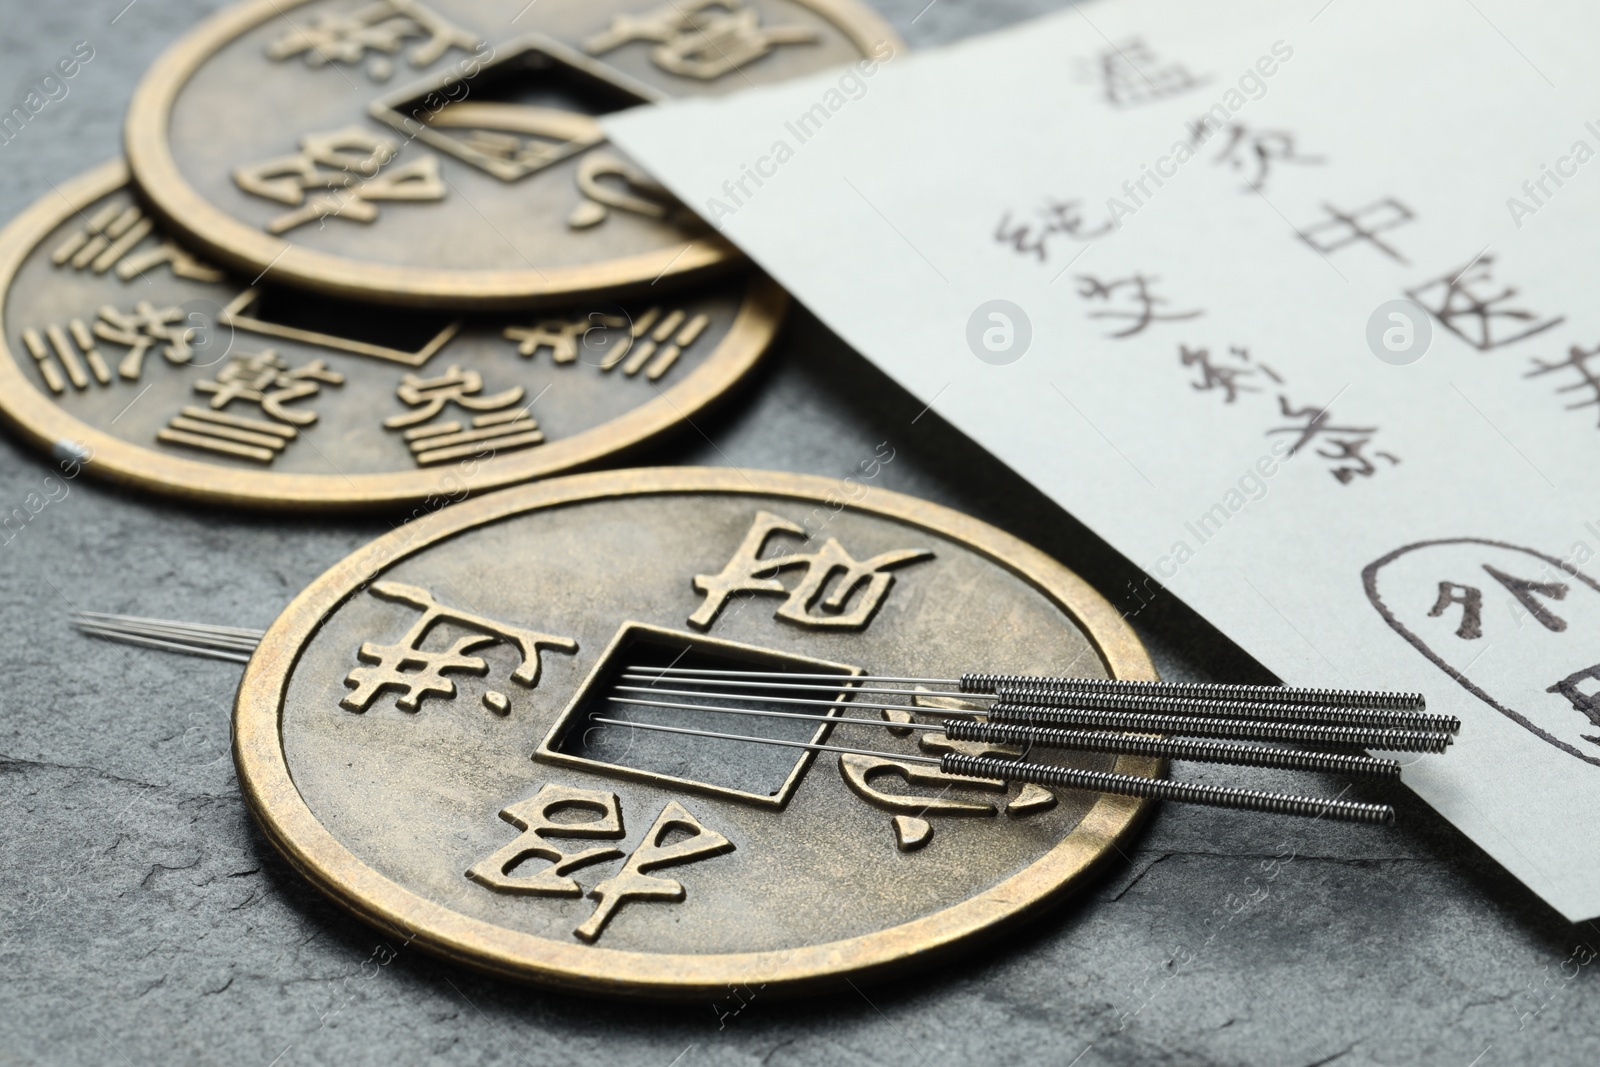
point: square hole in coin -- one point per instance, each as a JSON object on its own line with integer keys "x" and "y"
{"x": 530, "y": 107}
{"x": 744, "y": 770}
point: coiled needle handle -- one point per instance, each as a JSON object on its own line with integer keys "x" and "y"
{"x": 1130, "y": 785}
{"x": 1387, "y": 718}
{"x": 1288, "y": 759}
{"x": 1272, "y": 694}
{"x": 1236, "y": 729}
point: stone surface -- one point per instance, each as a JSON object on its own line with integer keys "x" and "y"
{"x": 144, "y": 920}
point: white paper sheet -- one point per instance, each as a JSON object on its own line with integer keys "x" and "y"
{"x": 1436, "y": 526}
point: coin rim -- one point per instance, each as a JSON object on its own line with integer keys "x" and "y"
{"x": 36, "y": 416}
{"x": 229, "y": 240}
{"x": 288, "y": 822}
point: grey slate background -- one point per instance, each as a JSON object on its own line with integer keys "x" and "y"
{"x": 144, "y": 920}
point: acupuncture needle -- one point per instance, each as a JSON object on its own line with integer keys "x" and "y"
{"x": 202, "y": 629}
{"x": 222, "y": 641}
{"x": 234, "y": 649}
{"x": 1089, "y": 740}
{"x": 987, "y": 683}
{"x": 990, "y": 768}
{"x": 1233, "y": 709}
{"x": 234, "y": 644}
{"x": 236, "y": 638}
{"x": 1235, "y": 729}
{"x": 240, "y": 644}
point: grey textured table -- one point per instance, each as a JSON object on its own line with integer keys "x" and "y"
{"x": 144, "y": 920}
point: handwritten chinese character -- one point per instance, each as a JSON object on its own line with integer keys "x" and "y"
{"x": 1058, "y": 217}
{"x": 1471, "y": 305}
{"x": 1585, "y": 702}
{"x": 1352, "y": 449}
{"x": 1345, "y": 228}
{"x": 1223, "y": 376}
{"x": 1338, "y": 443}
{"x": 1314, "y": 423}
{"x": 1141, "y": 304}
{"x": 1129, "y": 75}
{"x": 1577, "y": 361}
{"x": 1252, "y": 153}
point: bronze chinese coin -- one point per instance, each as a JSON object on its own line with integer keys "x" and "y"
{"x": 449, "y": 152}
{"x": 430, "y": 732}
{"x": 119, "y": 345}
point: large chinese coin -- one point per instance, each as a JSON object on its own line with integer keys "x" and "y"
{"x": 449, "y": 152}
{"x": 418, "y": 732}
{"x": 118, "y": 344}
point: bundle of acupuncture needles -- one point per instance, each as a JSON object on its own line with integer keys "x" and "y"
{"x": 1200, "y": 722}
{"x": 1242, "y": 725}
{"x": 233, "y": 643}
